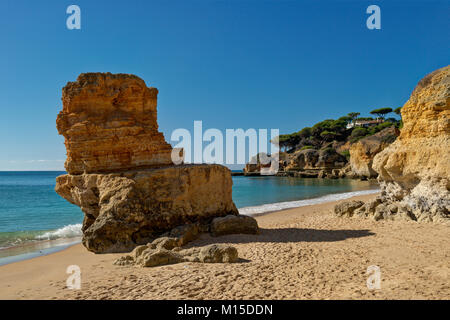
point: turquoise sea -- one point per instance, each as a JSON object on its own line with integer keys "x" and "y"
{"x": 31, "y": 211}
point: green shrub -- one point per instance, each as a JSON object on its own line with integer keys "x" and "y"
{"x": 358, "y": 132}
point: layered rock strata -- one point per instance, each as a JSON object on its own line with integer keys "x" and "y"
{"x": 414, "y": 171}
{"x": 364, "y": 151}
{"x": 109, "y": 124}
{"x": 120, "y": 171}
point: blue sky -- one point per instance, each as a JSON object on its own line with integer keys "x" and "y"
{"x": 232, "y": 64}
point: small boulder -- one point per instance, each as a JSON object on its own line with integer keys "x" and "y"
{"x": 347, "y": 208}
{"x": 233, "y": 225}
{"x": 158, "y": 257}
{"x": 166, "y": 243}
{"x": 218, "y": 253}
{"x": 124, "y": 261}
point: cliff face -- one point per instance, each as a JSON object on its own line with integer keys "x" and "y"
{"x": 363, "y": 152}
{"x": 120, "y": 171}
{"x": 415, "y": 170}
{"x": 109, "y": 123}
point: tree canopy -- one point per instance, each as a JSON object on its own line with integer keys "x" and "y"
{"x": 381, "y": 112}
{"x": 353, "y": 115}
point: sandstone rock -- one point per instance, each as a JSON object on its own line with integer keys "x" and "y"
{"x": 158, "y": 257}
{"x": 303, "y": 159}
{"x": 148, "y": 256}
{"x": 138, "y": 251}
{"x": 165, "y": 243}
{"x": 218, "y": 253}
{"x": 415, "y": 169}
{"x": 330, "y": 159}
{"x": 124, "y": 261}
{"x": 363, "y": 151}
{"x": 232, "y": 224}
{"x": 185, "y": 233}
{"x": 109, "y": 124}
{"x": 264, "y": 164}
{"x": 126, "y": 209}
{"x": 347, "y": 208}
{"x": 322, "y": 174}
{"x": 120, "y": 171}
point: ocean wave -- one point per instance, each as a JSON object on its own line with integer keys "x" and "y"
{"x": 69, "y": 231}
{"x": 270, "y": 207}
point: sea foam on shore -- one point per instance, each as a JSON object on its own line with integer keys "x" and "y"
{"x": 270, "y": 207}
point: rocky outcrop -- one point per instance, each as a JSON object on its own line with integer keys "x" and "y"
{"x": 414, "y": 171}
{"x": 311, "y": 159}
{"x": 256, "y": 164}
{"x": 264, "y": 164}
{"x": 153, "y": 255}
{"x": 109, "y": 124}
{"x": 363, "y": 152}
{"x": 347, "y": 208}
{"x": 167, "y": 249}
{"x": 303, "y": 160}
{"x": 129, "y": 208}
{"x": 234, "y": 224}
{"x": 120, "y": 171}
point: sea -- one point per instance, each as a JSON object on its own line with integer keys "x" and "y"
{"x": 35, "y": 220}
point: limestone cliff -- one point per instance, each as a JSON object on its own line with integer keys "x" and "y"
{"x": 415, "y": 169}
{"x": 363, "y": 152}
{"x": 120, "y": 171}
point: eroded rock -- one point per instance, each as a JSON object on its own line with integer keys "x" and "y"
{"x": 363, "y": 152}
{"x": 109, "y": 124}
{"x": 347, "y": 208}
{"x": 152, "y": 257}
{"x": 232, "y": 224}
{"x": 414, "y": 171}
{"x": 120, "y": 171}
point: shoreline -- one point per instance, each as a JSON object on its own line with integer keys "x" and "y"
{"x": 49, "y": 247}
{"x": 300, "y": 253}
{"x": 254, "y": 211}
{"x": 38, "y": 248}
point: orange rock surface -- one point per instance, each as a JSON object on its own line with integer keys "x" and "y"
{"x": 109, "y": 124}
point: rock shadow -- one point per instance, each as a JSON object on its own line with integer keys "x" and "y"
{"x": 286, "y": 235}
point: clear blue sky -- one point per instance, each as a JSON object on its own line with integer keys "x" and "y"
{"x": 231, "y": 64}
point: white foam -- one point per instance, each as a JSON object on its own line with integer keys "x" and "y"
{"x": 69, "y": 231}
{"x": 270, "y": 207}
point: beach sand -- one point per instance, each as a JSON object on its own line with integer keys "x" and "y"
{"x": 301, "y": 253}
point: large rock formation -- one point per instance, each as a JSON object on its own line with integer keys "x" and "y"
{"x": 264, "y": 164}
{"x": 414, "y": 171}
{"x": 120, "y": 171}
{"x": 363, "y": 152}
{"x": 109, "y": 123}
{"x": 133, "y": 207}
{"x": 311, "y": 159}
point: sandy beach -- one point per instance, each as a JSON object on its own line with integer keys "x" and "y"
{"x": 301, "y": 253}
